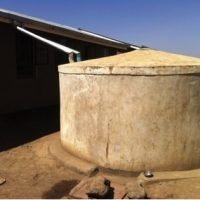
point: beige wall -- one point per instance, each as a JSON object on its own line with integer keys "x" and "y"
{"x": 130, "y": 122}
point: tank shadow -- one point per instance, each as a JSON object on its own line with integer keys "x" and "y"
{"x": 60, "y": 189}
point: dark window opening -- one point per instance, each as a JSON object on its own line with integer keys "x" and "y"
{"x": 25, "y": 64}
{"x": 41, "y": 54}
{"x": 60, "y": 57}
{"x": 106, "y": 52}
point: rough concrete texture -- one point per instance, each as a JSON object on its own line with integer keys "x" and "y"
{"x": 72, "y": 162}
{"x": 138, "y": 62}
{"x": 174, "y": 189}
{"x": 130, "y": 122}
{"x": 170, "y": 175}
{"x": 174, "y": 184}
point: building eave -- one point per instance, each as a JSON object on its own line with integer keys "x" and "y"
{"x": 62, "y": 30}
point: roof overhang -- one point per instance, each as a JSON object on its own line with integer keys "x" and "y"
{"x": 46, "y": 26}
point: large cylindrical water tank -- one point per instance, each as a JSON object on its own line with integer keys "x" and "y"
{"x": 134, "y": 111}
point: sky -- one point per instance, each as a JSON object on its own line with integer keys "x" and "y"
{"x": 169, "y": 25}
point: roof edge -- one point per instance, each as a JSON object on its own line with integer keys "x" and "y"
{"x": 59, "y": 29}
{"x": 137, "y": 71}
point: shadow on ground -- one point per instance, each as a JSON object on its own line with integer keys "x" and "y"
{"x": 25, "y": 126}
{"x": 60, "y": 189}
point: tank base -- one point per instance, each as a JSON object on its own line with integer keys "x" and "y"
{"x": 69, "y": 160}
{"x": 82, "y": 166}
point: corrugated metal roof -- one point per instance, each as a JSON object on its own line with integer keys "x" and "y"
{"x": 23, "y": 18}
{"x": 12, "y": 13}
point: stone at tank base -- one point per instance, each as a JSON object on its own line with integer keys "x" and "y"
{"x": 2, "y": 180}
{"x": 172, "y": 184}
{"x": 115, "y": 190}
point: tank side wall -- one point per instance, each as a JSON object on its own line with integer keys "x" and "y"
{"x": 132, "y": 122}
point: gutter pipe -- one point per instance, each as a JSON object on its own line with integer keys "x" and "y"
{"x": 63, "y": 48}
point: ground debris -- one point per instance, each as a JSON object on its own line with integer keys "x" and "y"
{"x": 2, "y": 180}
{"x": 93, "y": 187}
{"x": 134, "y": 190}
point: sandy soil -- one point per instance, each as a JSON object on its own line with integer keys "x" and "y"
{"x": 31, "y": 172}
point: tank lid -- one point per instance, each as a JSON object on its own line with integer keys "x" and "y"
{"x": 138, "y": 62}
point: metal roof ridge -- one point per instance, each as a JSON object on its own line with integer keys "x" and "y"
{"x": 78, "y": 30}
{"x": 110, "y": 38}
{"x": 37, "y": 19}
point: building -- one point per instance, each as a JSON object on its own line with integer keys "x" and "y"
{"x": 29, "y": 77}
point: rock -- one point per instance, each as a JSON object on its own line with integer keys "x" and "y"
{"x": 2, "y": 181}
{"x": 98, "y": 187}
{"x": 134, "y": 190}
{"x": 94, "y": 187}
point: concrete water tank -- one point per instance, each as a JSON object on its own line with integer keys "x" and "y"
{"x": 134, "y": 111}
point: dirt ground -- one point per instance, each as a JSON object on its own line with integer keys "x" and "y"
{"x": 30, "y": 171}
